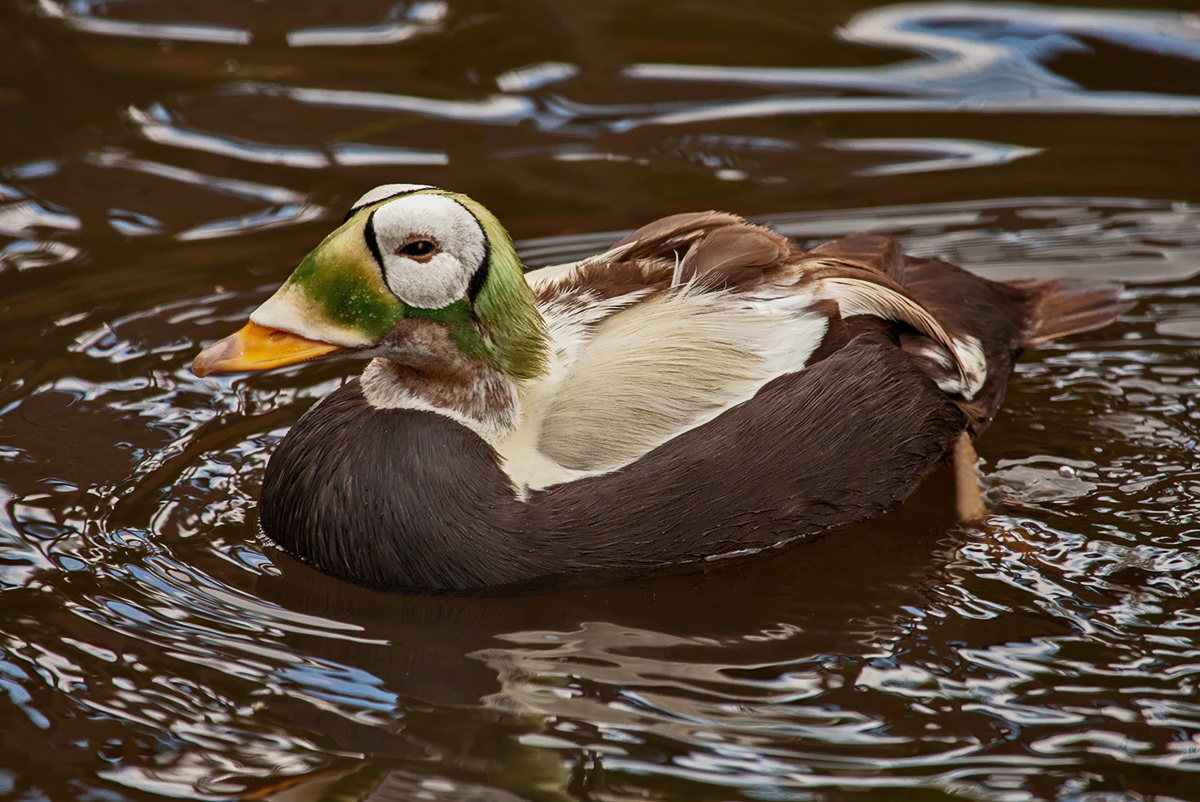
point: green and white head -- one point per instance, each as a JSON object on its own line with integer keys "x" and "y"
{"x": 404, "y": 251}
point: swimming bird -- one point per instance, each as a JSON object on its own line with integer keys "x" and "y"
{"x": 703, "y": 388}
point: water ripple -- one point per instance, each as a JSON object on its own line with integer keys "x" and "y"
{"x": 974, "y": 57}
{"x": 153, "y": 644}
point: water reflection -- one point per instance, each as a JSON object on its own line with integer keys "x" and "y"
{"x": 151, "y": 644}
{"x": 91, "y": 18}
{"x": 976, "y": 58}
{"x": 155, "y": 125}
{"x": 943, "y": 155}
{"x": 402, "y": 22}
{"x": 881, "y": 658}
{"x": 970, "y": 59}
{"x": 112, "y": 172}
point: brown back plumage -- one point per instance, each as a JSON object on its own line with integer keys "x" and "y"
{"x": 928, "y": 304}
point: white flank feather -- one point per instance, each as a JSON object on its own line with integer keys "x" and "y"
{"x": 646, "y": 373}
{"x": 858, "y": 297}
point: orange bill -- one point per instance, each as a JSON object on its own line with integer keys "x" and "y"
{"x": 256, "y": 347}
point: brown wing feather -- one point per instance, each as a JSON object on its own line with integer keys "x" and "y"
{"x": 1065, "y": 306}
{"x": 644, "y": 260}
{"x": 735, "y": 256}
{"x": 654, "y": 240}
{"x": 874, "y": 251}
{"x": 719, "y": 250}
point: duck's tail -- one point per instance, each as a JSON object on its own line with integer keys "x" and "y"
{"x": 1068, "y": 306}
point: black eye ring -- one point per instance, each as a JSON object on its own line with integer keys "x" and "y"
{"x": 420, "y": 247}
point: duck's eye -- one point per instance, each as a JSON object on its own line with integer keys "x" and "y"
{"x": 418, "y": 247}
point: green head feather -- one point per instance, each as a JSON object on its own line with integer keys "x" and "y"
{"x": 504, "y": 305}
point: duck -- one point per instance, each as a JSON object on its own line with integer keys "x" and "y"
{"x": 705, "y": 388}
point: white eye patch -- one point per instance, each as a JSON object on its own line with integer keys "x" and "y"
{"x": 430, "y": 282}
{"x": 384, "y": 191}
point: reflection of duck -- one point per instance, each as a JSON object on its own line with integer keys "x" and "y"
{"x": 655, "y": 666}
{"x": 701, "y": 388}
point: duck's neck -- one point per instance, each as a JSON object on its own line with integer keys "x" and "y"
{"x": 424, "y": 369}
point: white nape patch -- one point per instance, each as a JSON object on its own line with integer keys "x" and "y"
{"x": 291, "y": 311}
{"x": 381, "y": 390}
{"x": 384, "y": 191}
{"x": 439, "y": 281}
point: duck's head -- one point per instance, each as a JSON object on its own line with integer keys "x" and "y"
{"x": 404, "y": 251}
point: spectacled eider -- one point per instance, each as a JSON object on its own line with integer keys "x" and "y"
{"x": 703, "y": 387}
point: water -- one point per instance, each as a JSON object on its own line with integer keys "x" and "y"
{"x": 164, "y": 164}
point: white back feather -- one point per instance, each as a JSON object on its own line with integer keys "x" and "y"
{"x": 645, "y": 375}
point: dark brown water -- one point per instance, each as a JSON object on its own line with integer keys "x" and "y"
{"x": 164, "y": 164}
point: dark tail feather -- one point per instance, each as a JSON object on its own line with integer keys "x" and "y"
{"x": 1069, "y": 306}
